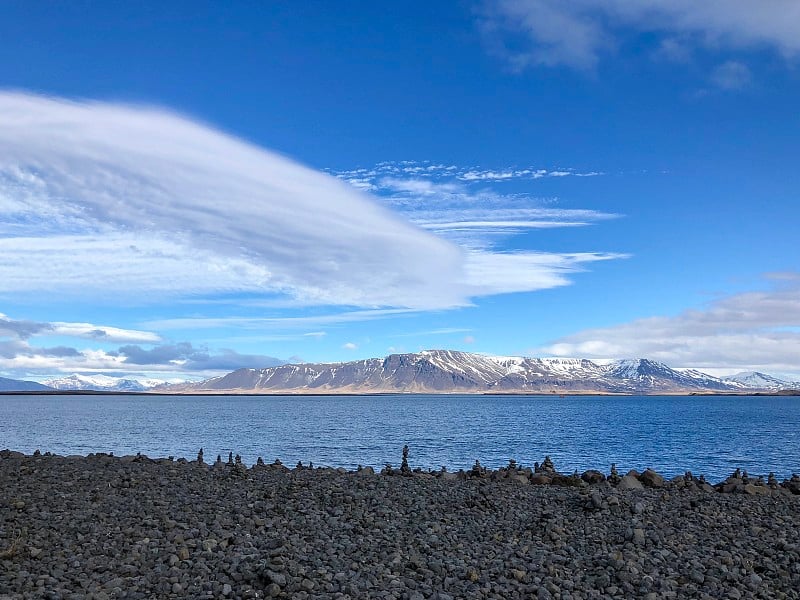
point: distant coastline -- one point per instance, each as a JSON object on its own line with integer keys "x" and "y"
{"x": 438, "y": 372}
{"x": 399, "y": 393}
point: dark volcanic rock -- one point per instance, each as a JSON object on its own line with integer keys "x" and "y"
{"x": 651, "y": 479}
{"x": 592, "y": 476}
{"x": 106, "y": 527}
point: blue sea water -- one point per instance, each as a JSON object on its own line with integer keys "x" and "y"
{"x": 707, "y": 435}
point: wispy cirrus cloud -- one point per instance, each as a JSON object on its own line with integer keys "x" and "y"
{"x": 580, "y": 33}
{"x": 277, "y": 323}
{"x": 109, "y": 200}
{"x": 758, "y": 330}
{"x": 732, "y": 75}
{"x": 411, "y": 175}
{"x": 469, "y": 206}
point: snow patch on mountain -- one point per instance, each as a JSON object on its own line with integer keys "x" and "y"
{"x": 761, "y": 381}
{"x": 450, "y": 371}
{"x": 103, "y": 383}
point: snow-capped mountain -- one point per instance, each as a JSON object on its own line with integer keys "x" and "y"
{"x": 17, "y": 385}
{"x": 447, "y": 371}
{"x": 102, "y": 383}
{"x": 761, "y": 381}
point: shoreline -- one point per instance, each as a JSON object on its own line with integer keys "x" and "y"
{"x": 783, "y": 393}
{"x": 104, "y": 527}
{"x": 739, "y": 482}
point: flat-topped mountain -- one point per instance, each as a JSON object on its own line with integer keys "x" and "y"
{"x": 448, "y": 371}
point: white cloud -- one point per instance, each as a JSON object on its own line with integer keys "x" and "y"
{"x": 461, "y": 206}
{"x": 104, "y": 333}
{"x": 33, "y": 360}
{"x": 748, "y": 331}
{"x": 275, "y": 323}
{"x": 508, "y": 272}
{"x": 350, "y": 346}
{"x": 139, "y": 267}
{"x": 23, "y": 329}
{"x": 579, "y": 32}
{"x": 116, "y": 201}
{"x": 731, "y": 75}
{"x": 494, "y": 224}
{"x": 422, "y": 187}
{"x": 113, "y": 172}
{"x": 21, "y": 359}
{"x": 413, "y": 176}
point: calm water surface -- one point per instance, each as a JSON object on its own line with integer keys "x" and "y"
{"x": 709, "y": 435}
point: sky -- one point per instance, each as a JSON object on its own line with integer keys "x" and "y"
{"x": 188, "y": 188}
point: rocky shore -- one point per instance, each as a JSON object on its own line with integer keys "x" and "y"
{"x": 102, "y": 527}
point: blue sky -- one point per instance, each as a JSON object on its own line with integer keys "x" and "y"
{"x": 191, "y": 188}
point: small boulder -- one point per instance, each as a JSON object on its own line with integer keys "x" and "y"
{"x": 638, "y": 536}
{"x": 593, "y": 476}
{"x": 757, "y": 490}
{"x": 540, "y": 479}
{"x": 630, "y": 482}
{"x": 651, "y": 479}
{"x": 793, "y": 484}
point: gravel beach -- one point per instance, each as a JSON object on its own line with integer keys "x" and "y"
{"x": 106, "y": 527}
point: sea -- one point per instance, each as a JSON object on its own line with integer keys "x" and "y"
{"x": 709, "y": 435}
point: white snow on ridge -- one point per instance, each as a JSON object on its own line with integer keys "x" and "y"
{"x": 103, "y": 383}
{"x": 448, "y": 371}
{"x": 756, "y": 380}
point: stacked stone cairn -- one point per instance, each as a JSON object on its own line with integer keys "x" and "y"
{"x": 106, "y": 527}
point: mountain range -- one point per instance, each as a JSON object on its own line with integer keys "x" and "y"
{"x": 101, "y": 383}
{"x": 79, "y": 382}
{"x": 448, "y": 371}
{"x": 439, "y": 372}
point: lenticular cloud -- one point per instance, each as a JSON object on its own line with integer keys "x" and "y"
{"x": 108, "y": 195}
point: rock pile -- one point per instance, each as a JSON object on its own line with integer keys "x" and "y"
{"x": 102, "y": 527}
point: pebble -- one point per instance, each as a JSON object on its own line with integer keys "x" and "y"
{"x": 101, "y": 527}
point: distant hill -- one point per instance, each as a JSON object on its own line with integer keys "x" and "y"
{"x": 101, "y": 383}
{"x": 447, "y": 371}
{"x": 17, "y": 385}
{"x": 761, "y": 381}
